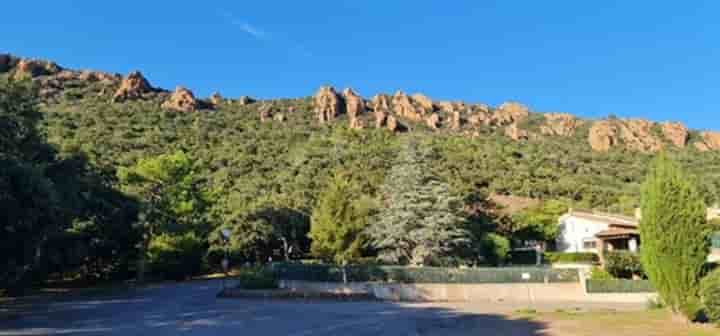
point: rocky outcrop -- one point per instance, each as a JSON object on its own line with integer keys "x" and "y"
{"x": 327, "y": 104}
{"x": 433, "y": 121}
{"x": 510, "y": 112}
{"x": 455, "y": 120}
{"x": 423, "y": 102}
{"x": 265, "y": 112}
{"x": 635, "y": 134}
{"x": 35, "y": 68}
{"x": 357, "y": 123}
{"x": 709, "y": 141}
{"x": 245, "y": 100}
{"x": 216, "y": 99}
{"x": 603, "y": 136}
{"x": 381, "y": 108}
{"x": 134, "y": 86}
{"x": 514, "y": 132}
{"x": 392, "y": 124}
{"x": 676, "y": 133}
{"x": 354, "y": 104}
{"x": 405, "y": 107}
{"x": 98, "y": 76}
{"x": 559, "y": 124}
{"x": 181, "y": 100}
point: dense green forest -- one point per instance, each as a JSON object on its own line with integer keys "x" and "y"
{"x": 90, "y": 186}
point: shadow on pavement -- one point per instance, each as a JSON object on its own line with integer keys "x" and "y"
{"x": 193, "y": 309}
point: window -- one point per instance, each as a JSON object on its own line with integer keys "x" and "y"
{"x": 589, "y": 244}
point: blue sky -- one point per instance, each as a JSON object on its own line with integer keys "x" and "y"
{"x": 651, "y": 59}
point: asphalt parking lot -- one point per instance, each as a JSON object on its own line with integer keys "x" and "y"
{"x": 193, "y": 309}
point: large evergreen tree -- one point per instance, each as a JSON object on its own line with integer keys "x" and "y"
{"x": 420, "y": 221}
{"x": 674, "y": 233}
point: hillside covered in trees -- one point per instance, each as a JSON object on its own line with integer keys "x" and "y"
{"x": 80, "y": 171}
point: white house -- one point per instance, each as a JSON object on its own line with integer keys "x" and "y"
{"x": 590, "y": 231}
{"x": 586, "y": 231}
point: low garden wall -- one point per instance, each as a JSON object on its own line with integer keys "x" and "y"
{"x": 618, "y": 286}
{"x": 424, "y": 275}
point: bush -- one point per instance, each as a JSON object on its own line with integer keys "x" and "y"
{"x": 176, "y": 257}
{"x": 329, "y": 273}
{"x": 528, "y": 257}
{"x": 691, "y": 309}
{"x": 624, "y": 264}
{"x": 597, "y": 273}
{"x": 576, "y": 257}
{"x": 495, "y": 248}
{"x": 257, "y": 278}
{"x": 710, "y": 294}
{"x": 618, "y": 286}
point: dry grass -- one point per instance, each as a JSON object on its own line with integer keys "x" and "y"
{"x": 645, "y": 323}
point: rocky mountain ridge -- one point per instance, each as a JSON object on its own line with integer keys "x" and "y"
{"x": 399, "y": 112}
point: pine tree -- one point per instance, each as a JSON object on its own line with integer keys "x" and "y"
{"x": 674, "y": 233}
{"x": 338, "y": 222}
{"x": 420, "y": 221}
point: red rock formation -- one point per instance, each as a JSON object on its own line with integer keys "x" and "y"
{"x": 354, "y": 104}
{"x": 433, "y": 121}
{"x": 404, "y": 107}
{"x": 559, "y": 124}
{"x": 603, "y": 135}
{"x": 327, "y": 104}
{"x": 34, "y": 68}
{"x": 515, "y": 133}
{"x": 216, "y": 99}
{"x": 381, "y": 108}
{"x": 245, "y": 100}
{"x": 709, "y": 141}
{"x": 392, "y": 123}
{"x": 676, "y": 133}
{"x": 638, "y": 136}
{"x": 423, "y": 102}
{"x": 509, "y": 112}
{"x": 132, "y": 87}
{"x": 181, "y": 100}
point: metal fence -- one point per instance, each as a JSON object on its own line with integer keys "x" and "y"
{"x": 619, "y": 286}
{"x": 402, "y": 274}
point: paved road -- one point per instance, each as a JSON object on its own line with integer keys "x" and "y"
{"x": 193, "y": 309}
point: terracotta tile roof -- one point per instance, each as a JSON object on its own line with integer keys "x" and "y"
{"x": 610, "y": 219}
{"x": 616, "y": 232}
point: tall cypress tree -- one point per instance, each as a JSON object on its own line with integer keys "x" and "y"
{"x": 420, "y": 221}
{"x": 674, "y": 233}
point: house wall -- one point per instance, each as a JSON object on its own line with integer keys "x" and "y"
{"x": 574, "y": 231}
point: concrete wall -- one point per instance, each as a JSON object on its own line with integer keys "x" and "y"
{"x": 560, "y": 292}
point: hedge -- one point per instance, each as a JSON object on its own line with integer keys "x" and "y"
{"x": 329, "y": 273}
{"x": 575, "y": 257}
{"x": 619, "y": 286}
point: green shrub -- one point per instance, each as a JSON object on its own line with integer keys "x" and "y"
{"x": 597, "y": 273}
{"x": 575, "y": 257}
{"x": 654, "y": 304}
{"x": 528, "y": 257}
{"x": 402, "y": 274}
{"x": 624, "y": 264}
{"x": 692, "y": 309}
{"x": 257, "y": 278}
{"x": 495, "y": 248}
{"x": 176, "y": 257}
{"x": 710, "y": 294}
{"x": 619, "y": 286}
